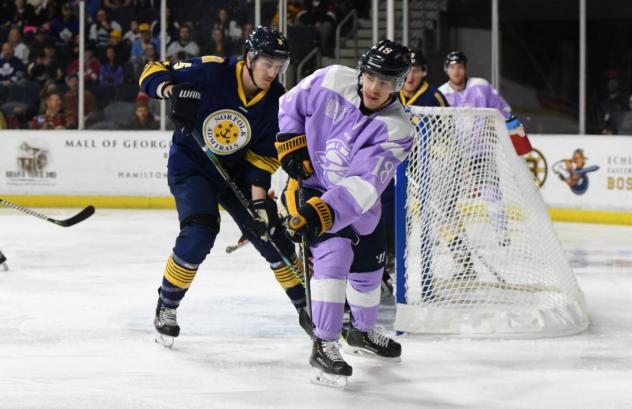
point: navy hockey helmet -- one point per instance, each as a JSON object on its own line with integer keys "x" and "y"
{"x": 417, "y": 58}
{"x": 455, "y": 57}
{"x": 269, "y": 42}
{"x": 387, "y": 60}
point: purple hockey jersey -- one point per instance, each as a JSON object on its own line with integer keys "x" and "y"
{"x": 354, "y": 155}
{"x": 478, "y": 93}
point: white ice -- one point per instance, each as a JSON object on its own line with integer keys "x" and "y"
{"x": 77, "y": 304}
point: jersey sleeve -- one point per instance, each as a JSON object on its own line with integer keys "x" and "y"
{"x": 261, "y": 159}
{"x": 294, "y": 107}
{"x": 498, "y": 102}
{"x": 370, "y": 172}
{"x": 195, "y": 71}
{"x": 440, "y": 99}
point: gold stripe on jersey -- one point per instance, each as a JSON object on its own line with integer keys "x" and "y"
{"x": 211, "y": 58}
{"x": 290, "y": 197}
{"x": 421, "y": 90}
{"x": 152, "y": 68}
{"x": 440, "y": 99}
{"x": 177, "y": 275}
{"x": 268, "y": 163}
{"x": 286, "y": 276}
{"x": 240, "y": 87}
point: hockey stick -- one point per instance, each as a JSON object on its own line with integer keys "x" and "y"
{"x": 304, "y": 250}
{"x": 239, "y": 195}
{"x": 79, "y": 217}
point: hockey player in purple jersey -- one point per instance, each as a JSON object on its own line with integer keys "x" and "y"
{"x": 344, "y": 132}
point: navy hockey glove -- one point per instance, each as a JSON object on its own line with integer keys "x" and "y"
{"x": 266, "y": 219}
{"x": 185, "y": 100}
{"x": 313, "y": 219}
{"x": 293, "y": 155}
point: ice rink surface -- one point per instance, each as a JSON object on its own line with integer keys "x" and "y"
{"x": 77, "y": 305}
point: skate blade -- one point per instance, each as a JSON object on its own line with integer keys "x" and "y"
{"x": 330, "y": 380}
{"x": 164, "y": 340}
{"x": 364, "y": 353}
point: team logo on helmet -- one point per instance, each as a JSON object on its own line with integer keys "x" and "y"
{"x": 226, "y": 131}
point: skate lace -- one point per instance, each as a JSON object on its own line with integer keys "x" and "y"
{"x": 168, "y": 316}
{"x": 377, "y": 338}
{"x": 332, "y": 351}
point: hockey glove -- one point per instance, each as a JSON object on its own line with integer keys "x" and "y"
{"x": 293, "y": 155}
{"x": 313, "y": 219}
{"x": 518, "y": 136}
{"x": 185, "y": 100}
{"x": 267, "y": 218}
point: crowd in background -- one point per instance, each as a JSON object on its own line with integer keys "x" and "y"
{"x": 39, "y": 62}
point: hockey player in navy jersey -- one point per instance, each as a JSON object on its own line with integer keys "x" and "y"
{"x": 344, "y": 132}
{"x": 234, "y": 105}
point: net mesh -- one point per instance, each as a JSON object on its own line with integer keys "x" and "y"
{"x": 481, "y": 255}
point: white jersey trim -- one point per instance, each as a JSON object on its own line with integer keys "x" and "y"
{"x": 328, "y": 290}
{"x": 367, "y": 300}
{"x": 362, "y": 191}
{"x": 343, "y": 81}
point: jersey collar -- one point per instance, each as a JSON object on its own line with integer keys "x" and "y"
{"x": 240, "y": 88}
{"x": 421, "y": 90}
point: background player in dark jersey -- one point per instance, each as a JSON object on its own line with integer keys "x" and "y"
{"x": 234, "y": 105}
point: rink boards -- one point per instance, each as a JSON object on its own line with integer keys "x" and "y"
{"x": 582, "y": 178}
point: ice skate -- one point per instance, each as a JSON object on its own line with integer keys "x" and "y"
{"x": 305, "y": 321}
{"x": 329, "y": 367}
{"x": 166, "y": 324}
{"x": 371, "y": 344}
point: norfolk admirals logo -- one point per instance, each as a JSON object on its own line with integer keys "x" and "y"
{"x": 226, "y": 131}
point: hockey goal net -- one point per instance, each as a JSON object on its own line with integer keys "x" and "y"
{"x": 476, "y": 251}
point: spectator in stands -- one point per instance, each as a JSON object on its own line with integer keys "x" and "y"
{"x": 230, "y": 28}
{"x": 173, "y": 29}
{"x": 184, "y": 44}
{"x": 49, "y": 87}
{"x": 45, "y": 66}
{"x": 70, "y": 102}
{"x": 11, "y": 67}
{"x": 151, "y": 55}
{"x": 45, "y": 11}
{"x": 20, "y": 50}
{"x": 91, "y": 67}
{"x": 139, "y": 46}
{"x": 152, "y": 103}
{"x": 612, "y": 106}
{"x": 625, "y": 121}
{"x": 219, "y": 45}
{"x": 53, "y": 116}
{"x": 116, "y": 4}
{"x": 322, "y": 15}
{"x": 142, "y": 119}
{"x": 111, "y": 71}
{"x": 63, "y": 30}
{"x": 20, "y": 14}
{"x": 36, "y": 47}
{"x": 132, "y": 35}
{"x": 239, "y": 46}
{"x": 100, "y": 30}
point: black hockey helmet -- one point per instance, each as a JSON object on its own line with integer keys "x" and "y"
{"x": 269, "y": 42}
{"x": 417, "y": 58}
{"x": 387, "y": 60}
{"x": 455, "y": 57}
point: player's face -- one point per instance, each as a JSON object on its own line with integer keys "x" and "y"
{"x": 413, "y": 80}
{"x": 375, "y": 91}
{"x": 266, "y": 69}
{"x": 456, "y": 73}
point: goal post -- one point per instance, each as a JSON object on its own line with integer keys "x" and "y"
{"x": 476, "y": 252}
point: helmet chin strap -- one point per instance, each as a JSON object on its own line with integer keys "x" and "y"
{"x": 252, "y": 75}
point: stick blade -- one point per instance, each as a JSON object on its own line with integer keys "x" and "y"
{"x": 79, "y": 217}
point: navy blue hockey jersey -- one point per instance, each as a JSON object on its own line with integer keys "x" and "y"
{"x": 240, "y": 132}
{"x": 426, "y": 96}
